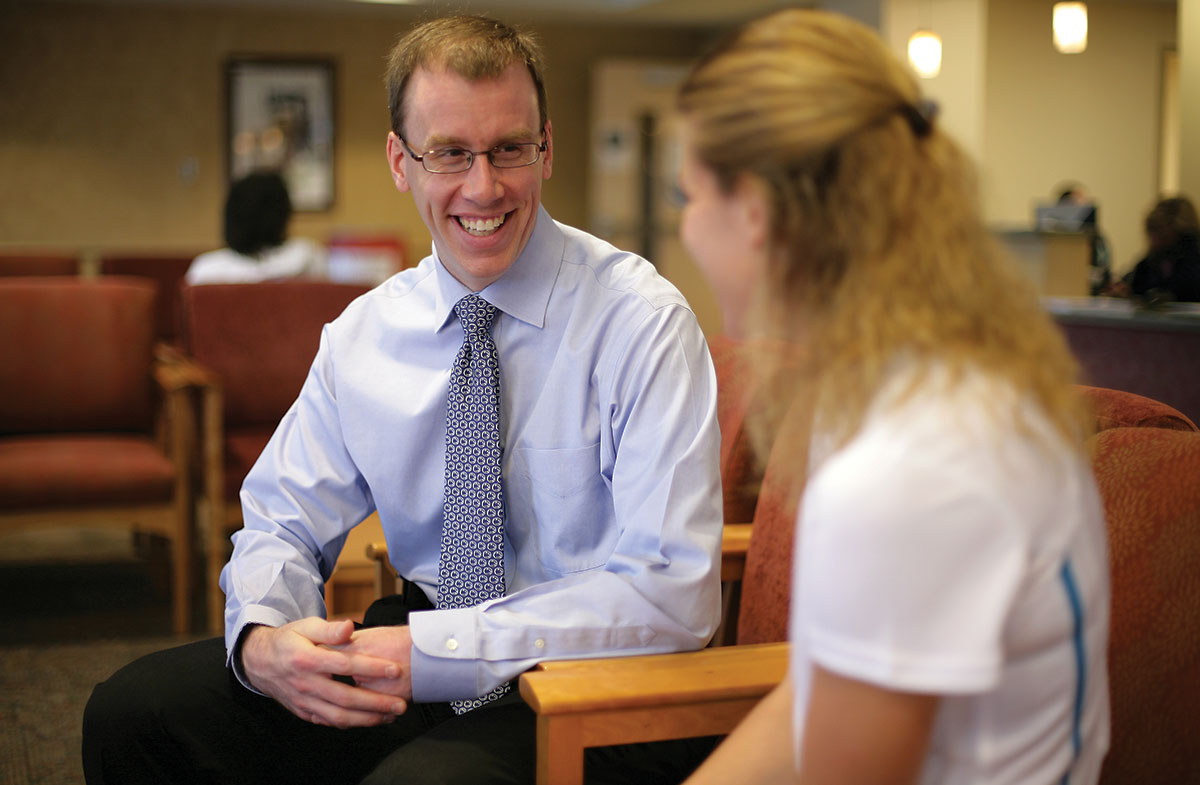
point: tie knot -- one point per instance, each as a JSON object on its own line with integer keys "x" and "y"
{"x": 476, "y": 315}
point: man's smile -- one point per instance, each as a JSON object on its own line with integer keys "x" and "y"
{"x": 481, "y": 227}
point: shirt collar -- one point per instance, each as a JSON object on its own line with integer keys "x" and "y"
{"x": 523, "y": 292}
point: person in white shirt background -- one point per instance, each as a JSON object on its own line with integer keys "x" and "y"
{"x": 950, "y": 598}
{"x": 257, "y": 213}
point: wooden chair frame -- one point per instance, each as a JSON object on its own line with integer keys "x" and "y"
{"x": 620, "y": 700}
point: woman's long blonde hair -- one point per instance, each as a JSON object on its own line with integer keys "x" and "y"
{"x": 879, "y": 248}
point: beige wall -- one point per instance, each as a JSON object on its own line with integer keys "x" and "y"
{"x": 960, "y": 87}
{"x": 1189, "y": 89}
{"x": 1092, "y": 118}
{"x": 100, "y": 109}
{"x": 103, "y": 110}
{"x": 1033, "y": 118}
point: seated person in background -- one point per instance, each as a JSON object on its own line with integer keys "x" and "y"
{"x": 950, "y": 597}
{"x": 1100, "y": 274}
{"x": 1171, "y": 268}
{"x": 257, "y": 212}
{"x": 531, "y": 411}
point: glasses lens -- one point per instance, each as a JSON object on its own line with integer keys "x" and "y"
{"x": 515, "y": 154}
{"x": 448, "y": 159}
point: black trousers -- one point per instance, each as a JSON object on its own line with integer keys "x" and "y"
{"x": 181, "y": 716}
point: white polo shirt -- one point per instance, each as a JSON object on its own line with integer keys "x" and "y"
{"x": 947, "y": 550}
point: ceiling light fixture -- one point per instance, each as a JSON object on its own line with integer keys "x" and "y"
{"x": 1070, "y": 27}
{"x": 925, "y": 53}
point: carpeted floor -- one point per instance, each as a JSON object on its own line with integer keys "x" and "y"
{"x": 73, "y": 609}
{"x": 43, "y": 689}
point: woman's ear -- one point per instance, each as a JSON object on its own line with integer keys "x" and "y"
{"x": 752, "y": 206}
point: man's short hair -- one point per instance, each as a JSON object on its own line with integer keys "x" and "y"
{"x": 474, "y": 47}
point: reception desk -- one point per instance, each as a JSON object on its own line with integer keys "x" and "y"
{"x": 1058, "y": 263}
{"x": 1152, "y": 353}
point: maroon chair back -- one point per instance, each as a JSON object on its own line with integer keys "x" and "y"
{"x": 766, "y": 584}
{"x": 77, "y": 354}
{"x": 19, "y": 263}
{"x": 744, "y": 392}
{"x": 260, "y": 340}
{"x": 1120, "y": 409}
{"x": 167, "y": 271}
{"x": 1149, "y": 479}
{"x": 741, "y": 474}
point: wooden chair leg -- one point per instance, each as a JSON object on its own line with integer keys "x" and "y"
{"x": 559, "y": 750}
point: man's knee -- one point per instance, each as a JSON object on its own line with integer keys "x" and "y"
{"x": 489, "y": 746}
{"x": 131, "y": 718}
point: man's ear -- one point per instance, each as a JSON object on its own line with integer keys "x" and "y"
{"x": 395, "y": 156}
{"x": 548, "y": 156}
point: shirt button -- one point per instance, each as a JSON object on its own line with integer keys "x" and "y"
{"x": 451, "y": 644}
{"x": 541, "y": 644}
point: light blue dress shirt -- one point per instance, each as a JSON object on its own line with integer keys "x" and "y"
{"x": 610, "y": 465}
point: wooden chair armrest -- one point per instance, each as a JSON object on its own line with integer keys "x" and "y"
{"x": 173, "y": 370}
{"x": 386, "y": 580}
{"x": 623, "y": 700}
{"x": 735, "y": 542}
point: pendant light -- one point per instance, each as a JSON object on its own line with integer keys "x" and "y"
{"x": 1070, "y": 27}
{"x": 925, "y": 53}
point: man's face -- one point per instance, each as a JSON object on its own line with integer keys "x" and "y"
{"x": 482, "y": 218}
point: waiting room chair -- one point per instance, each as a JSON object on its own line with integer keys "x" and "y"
{"x": 93, "y": 431}
{"x": 37, "y": 263}
{"x": 1146, "y": 457}
{"x": 252, "y": 346}
{"x": 167, "y": 271}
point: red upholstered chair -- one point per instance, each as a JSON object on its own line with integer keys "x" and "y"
{"x": 1147, "y": 462}
{"x": 253, "y": 343}
{"x": 20, "y": 263}
{"x": 167, "y": 271}
{"x": 92, "y": 431}
{"x": 1120, "y": 409}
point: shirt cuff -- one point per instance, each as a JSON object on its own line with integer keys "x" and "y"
{"x": 444, "y": 661}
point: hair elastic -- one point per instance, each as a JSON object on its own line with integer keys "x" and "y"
{"x": 920, "y": 116}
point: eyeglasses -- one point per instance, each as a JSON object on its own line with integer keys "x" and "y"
{"x": 451, "y": 160}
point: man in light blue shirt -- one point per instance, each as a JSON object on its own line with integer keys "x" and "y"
{"x": 612, "y": 509}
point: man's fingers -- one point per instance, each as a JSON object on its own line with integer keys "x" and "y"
{"x": 363, "y": 667}
{"x": 330, "y": 633}
{"x": 323, "y": 701}
{"x": 356, "y": 699}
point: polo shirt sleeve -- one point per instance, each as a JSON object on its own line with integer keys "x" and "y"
{"x": 908, "y": 563}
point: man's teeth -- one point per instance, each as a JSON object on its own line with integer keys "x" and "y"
{"x": 481, "y": 226}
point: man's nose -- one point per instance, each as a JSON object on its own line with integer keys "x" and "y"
{"x": 483, "y": 181}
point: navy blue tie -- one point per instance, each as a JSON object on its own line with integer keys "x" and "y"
{"x": 471, "y": 567}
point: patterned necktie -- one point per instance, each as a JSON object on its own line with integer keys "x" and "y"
{"x": 471, "y": 567}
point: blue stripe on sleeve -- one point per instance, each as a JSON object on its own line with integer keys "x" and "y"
{"x": 1068, "y": 578}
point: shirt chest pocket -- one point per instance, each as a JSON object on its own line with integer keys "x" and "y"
{"x": 561, "y": 507}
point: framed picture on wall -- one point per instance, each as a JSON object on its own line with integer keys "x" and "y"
{"x": 280, "y": 117}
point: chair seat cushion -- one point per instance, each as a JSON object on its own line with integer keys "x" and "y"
{"x": 242, "y": 448}
{"x": 67, "y": 470}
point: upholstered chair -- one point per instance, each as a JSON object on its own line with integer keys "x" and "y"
{"x": 253, "y": 345}
{"x": 93, "y": 431}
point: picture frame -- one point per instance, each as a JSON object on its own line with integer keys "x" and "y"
{"x": 280, "y": 117}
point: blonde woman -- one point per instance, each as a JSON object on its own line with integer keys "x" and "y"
{"x": 949, "y": 608}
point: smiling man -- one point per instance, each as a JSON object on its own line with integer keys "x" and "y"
{"x": 531, "y": 412}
